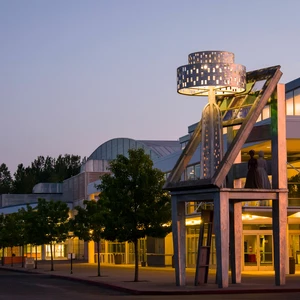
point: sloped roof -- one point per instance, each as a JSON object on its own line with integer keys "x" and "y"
{"x": 112, "y": 148}
{"x": 162, "y": 148}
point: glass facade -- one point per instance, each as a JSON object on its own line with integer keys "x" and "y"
{"x": 258, "y": 252}
{"x": 293, "y": 102}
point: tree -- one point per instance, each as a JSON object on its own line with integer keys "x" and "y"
{"x": 5, "y": 180}
{"x": 65, "y": 167}
{"x": 24, "y": 180}
{"x": 2, "y": 236}
{"x": 45, "y": 170}
{"x": 53, "y": 222}
{"x": 20, "y": 232}
{"x": 11, "y": 234}
{"x": 33, "y": 233}
{"x": 88, "y": 224}
{"x": 133, "y": 200}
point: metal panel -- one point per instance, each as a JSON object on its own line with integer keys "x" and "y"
{"x": 247, "y": 107}
{"x": 185, "y": 156}
{"x": 246, "y": 128}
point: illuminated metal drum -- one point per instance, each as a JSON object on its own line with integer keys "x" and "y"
{"x": 211, "y": 69}
{"x": 211, "y": 73}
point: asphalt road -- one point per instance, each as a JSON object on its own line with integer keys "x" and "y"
{"x": 15, "y": 286}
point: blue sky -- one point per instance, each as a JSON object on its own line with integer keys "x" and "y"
{"x": 76, "y": 73}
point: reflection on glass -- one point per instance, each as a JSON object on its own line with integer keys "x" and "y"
{"x": 250, "y": 249}
{"x": 265, "y": 242}
{"x": 197, "y": 171}
{"x": 297, "y": 101}
{"x": 266, "y": 112}
{"x": 258, "y": 85}
{"x": 289, "y": 102}
{"x": 190, "y": 173}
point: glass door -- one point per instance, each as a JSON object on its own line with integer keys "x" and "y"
{"x": 192, "y": 245}
{"x": 294, "y": 246}
{"x": 250, "y": 253}
{"x": 266, "y": 252}
{"x": 258, "y": 251}
{"x": 192, "y": 250}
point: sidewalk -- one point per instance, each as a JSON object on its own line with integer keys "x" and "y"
{"x": 159, "y": 281}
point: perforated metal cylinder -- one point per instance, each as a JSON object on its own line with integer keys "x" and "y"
{"x": 211, "y": 68}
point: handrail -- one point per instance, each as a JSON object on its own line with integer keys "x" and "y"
{"x": 292, "y": 166}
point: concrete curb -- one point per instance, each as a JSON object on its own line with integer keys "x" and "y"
{"x": 179, "y": 292}
{"x": 131, "y": 291}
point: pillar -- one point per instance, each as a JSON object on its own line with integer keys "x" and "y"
{"x": 235, "y": 219}
{"x": 279, "y": 182}
{"x": 221, "y": 226}
{"x": 91, "y": 252}
{"x": 279, "y": 209}
{"x": 43, "y": 252}
{"x": 179, "y": 238}
{"x": 236, "y": 231}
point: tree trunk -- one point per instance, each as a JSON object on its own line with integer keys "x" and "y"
{"x": 98, "y": 253}
{"x": 12, "y": 256}
{"x": 51, "y": 254}
{"x": 136, "y": 255}
{"x": 22, "y": 256}
{"x": 35, "y": 266}
{"x": 3, "y": 256}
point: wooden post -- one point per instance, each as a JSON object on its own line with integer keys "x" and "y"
{"x": 221, "y": 224}
{"x": 179, "y": 236}
{"x": 235, "y": 219}
{"x": 279, "y": 181}
{"x": 236, "y": 230}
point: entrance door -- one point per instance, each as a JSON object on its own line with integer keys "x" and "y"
{"x": 258, "y": 252}
{"x": 192, "y": 250}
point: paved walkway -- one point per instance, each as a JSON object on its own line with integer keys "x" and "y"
{"x": 160, "y": 281}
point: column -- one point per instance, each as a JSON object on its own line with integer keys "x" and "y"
{"x": 91, "y": 252}
{"x": 236, "y": 230}
{"x": 43, "y": 252}
{"x": 279, "y": 182}
{"x": 221, "y": 226}
{"x": 279, "y": 211}
{"x": 235, "y": 219}
{"x": 179, "y": 240}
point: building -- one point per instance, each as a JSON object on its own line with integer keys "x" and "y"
{"x": 257, "y": 222}
{"x": 78, "y": 188}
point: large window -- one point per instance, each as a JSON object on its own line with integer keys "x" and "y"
{"x": 197, "y": 171}
{"x": 292, "y": 100}
{"x": 190, "y": 173}
{"x": 193, "y": 172}
{"x": 289, "y": 103}
{"x": 266, "y": 112}
{"x": 297, "y": 101}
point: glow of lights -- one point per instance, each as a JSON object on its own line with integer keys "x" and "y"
{"x": 193, "y": 222}
{"x": 252, "y": 217}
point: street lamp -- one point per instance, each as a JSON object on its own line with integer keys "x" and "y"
{"x": 211, "y": 73}
{"x": 71, "y": 236}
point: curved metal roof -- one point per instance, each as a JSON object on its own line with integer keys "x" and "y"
{"x": 156, "y": 149}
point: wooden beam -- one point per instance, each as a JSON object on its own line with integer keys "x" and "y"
{"x": 179, "y": 235}
{"x": 221, "y": 226}
{"x": 185, "y": 156}
{"x": 279, "y": 181}
{"x": 244, "y": 131}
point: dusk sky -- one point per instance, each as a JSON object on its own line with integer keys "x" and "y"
{"x": 77, "y": 73}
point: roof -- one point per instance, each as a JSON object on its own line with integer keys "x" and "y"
{"x": 162, "y": 148}
{"x": 112, "y": 148}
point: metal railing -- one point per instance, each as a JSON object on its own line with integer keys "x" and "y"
{"x": 292, "y": 167}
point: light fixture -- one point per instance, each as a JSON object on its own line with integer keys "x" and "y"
{"x": 208, "y": 70}
{"x": 211, "y": 73}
